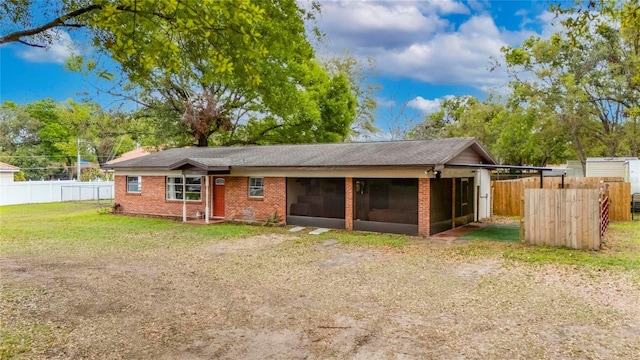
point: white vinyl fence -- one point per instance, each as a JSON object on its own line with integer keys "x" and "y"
{"x": 29, "y": 192}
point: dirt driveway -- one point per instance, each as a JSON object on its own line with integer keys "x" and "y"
{"x": 276, "y": 297}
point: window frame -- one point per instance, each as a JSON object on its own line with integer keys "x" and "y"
{"x": 253, "y": 187}
{"x": 178, "y": 186}
{"x": 139, "y": 184}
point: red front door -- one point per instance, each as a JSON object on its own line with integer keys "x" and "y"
{"x": 218, "y": 198}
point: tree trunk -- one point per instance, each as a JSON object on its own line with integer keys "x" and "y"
{"x": 202, "y": 140}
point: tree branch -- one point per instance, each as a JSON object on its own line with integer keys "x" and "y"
{"x": 60, "y": 21}
{"x": 30, "y": 44}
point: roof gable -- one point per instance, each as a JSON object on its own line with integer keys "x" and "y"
{"x": 201, "y": 163}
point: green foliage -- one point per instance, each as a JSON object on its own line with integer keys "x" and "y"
{"x": 223, "y": 72}
{"x": 583, "y": 80}
{"x": 19, "y": 176}
{"x": 360, "y": 78}
{"x": 41, "y": 137}
{"x": 515, "y": 134}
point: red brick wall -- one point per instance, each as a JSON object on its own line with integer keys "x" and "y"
{"x": 239, "y": 206}
{"x": 424, "y": 193}
{"x": 152, "y": 199}
{"x": 348, "y": 203}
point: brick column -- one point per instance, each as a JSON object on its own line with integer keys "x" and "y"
{"x": 348, "y": 203}
{"x": 424, "y": 206}
{"x": 277, "y": 187}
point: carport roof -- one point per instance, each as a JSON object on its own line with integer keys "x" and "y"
{"x": 391, "y": 153}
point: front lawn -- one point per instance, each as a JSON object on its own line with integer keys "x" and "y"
{"x": 79, "y": 283}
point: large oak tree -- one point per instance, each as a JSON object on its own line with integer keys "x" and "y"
{"x": 225, "y": 71}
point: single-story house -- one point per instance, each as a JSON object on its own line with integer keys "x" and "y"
{"x": 411, "y": 187}
{"x": 6, "y": 172}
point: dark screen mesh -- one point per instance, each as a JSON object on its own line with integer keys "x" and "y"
{"x": 317, "y": 197}
{"x": 386, "y": 200}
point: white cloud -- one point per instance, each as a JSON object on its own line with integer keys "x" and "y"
{"x": 382, "y": 102}
{"x": 412, "y": 39}
{"x": 460, "y": 57}
{"x": 60, "y": 49}
{"x": 377, "y": 25}
{"x": 477, "y": 5}
{"x": 444, "y": 7}
{"x": 427, "y": 106}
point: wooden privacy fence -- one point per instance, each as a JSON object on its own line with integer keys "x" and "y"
{"x": 508, "y": 194}
{"x": 564, "y": 217}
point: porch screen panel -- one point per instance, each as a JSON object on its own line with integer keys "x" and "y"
{"x": 386, "y": 200}
{"x": 316, "y": 197}
{"x": 440, "y": 205}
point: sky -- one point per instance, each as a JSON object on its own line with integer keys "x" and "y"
{"x": 423, "y": 51}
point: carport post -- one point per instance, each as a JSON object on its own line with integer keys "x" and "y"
{"x": 541, "y": 177}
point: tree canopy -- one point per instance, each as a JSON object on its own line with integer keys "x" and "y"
{"x": 41, "y": 137}
{"x": 573, "y": 95}
{"x": 225, "y": 71}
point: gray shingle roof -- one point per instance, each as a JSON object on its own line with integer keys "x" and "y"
{"x": 392, "y": 153}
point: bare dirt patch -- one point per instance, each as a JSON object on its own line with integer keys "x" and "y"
{"x": 270, "y": 297}
{"x": 252, "y": 243}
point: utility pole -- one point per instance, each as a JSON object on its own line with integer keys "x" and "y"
{"x": 78, "y": 159}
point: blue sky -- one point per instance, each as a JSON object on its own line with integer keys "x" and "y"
{"x": 423, "y": 50}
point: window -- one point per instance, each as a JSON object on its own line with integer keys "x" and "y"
{"x": 192, "y": 188}
{"x": 256, "y": 187}
{"x": 134, "y": 184}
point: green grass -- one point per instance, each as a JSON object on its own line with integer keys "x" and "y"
{"x": 505, "y": 233}
{"x": 365, "y": 239}
{"x": 64, "y": 228}
{"x": 621, "y": 250}
{"x": 82, "y": 228}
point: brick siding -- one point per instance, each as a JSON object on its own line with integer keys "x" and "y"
{"x": 152, "y": 199}
{"x": 424, "y": 194}
{"x": 348, "y": 203}
{"x": 239, "y": 206}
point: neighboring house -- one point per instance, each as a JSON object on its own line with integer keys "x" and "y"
{"x": 6, "y": 172}
{"x": 409, "y": 187}
{"x": 135, "y": 153}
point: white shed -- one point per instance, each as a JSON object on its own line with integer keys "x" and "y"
{"x": 632, "y": 175}
{"x": 608, "y": 167}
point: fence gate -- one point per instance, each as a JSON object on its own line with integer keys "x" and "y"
{"x": 564, "y": 217}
